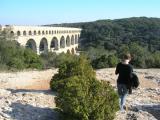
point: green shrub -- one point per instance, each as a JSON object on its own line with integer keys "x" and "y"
{"x": 112, "y": 60}
{"x": 3, "y": 67}
{"x": 156, "y": 57}
{"x": 15, "y": 57}
{"x": 100, "y": 62}
{"x": 62, "y": 58}
{"x": 49, "y": 59}
{"x": 72, "y": 67}
{"x": 105, "y": 61}
{"x": 149, "y": 61}
{"x": 32, "y": 60}
{"x": 80, "y": 95}
{"x": 55, "y": 60}
{"x": 16, "y": 63}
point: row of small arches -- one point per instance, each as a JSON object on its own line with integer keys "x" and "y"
{"x": 43, "y": 32}
{"x": 54, "y": 45}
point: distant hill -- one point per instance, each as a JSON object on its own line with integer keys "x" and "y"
{"x": 105, "y": 41}
{"x": 111, "y": 34}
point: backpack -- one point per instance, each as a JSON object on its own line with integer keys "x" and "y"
{"x": 134, "y": 81}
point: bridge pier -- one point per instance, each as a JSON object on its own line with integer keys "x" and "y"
{"x": 38, "y": 51}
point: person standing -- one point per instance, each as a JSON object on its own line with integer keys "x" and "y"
{"x": 124, "y": 69}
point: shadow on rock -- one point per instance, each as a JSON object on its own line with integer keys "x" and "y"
{"x": 28, "y": 112}
{"x": 152, "y": 109}
{"x": 47, "y": 92}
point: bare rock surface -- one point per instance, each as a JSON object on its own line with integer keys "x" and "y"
{"x": 26, "y": 95}
{"x": 27, "y": 105}
{"x": 144, "y": 102}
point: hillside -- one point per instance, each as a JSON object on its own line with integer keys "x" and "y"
{"x": 112, "y": 33}
{"x": 103, "y": 38}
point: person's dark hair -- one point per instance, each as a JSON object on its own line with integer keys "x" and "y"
{"x": 127, "y": 56}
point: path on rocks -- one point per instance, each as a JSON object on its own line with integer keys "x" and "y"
{"x": 26, "y": 95}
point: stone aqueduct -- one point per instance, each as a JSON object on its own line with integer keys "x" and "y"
{"x": 42, "y": 39}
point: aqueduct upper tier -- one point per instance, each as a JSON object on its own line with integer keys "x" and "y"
{"x": 44, "y": 38}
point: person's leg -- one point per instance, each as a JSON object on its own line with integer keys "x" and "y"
{"x": 122, "y": 91}
{"x": 122, "y": 101}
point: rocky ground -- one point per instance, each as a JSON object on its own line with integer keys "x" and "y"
{"x": 26, "y": 95}
{"x": 144, "y": 102}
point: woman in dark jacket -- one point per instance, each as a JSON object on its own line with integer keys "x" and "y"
{"x": 124, "y": 69}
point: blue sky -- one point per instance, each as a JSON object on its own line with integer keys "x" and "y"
{"x": 38, "y": 12}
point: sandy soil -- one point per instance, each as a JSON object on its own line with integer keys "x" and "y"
{"x": 38, "y": 80}
{"x": 149, "y": 78}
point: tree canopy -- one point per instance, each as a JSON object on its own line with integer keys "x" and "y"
{"x": 138, "y": 35}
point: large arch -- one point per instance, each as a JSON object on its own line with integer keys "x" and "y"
{"x": 68, "y": 41}
{"x": 76, "y": 39}
{"x": 43, "y": 47}
{"x": 54, "y": 44}
{"x": 62, "y": 42}
{"x": 31, "y": 44}
{"x": 72, "y": 40}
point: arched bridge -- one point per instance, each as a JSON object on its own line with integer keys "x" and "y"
{"x": 42, "y": 39}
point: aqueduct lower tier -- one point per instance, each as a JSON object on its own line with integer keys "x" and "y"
{"x": 42, "y": 39}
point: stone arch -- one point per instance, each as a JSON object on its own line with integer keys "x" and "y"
{"x": 31, "y": 44}
{"x": 43, "y": 47}
{"x": 68, "y": 41}
{"x": 35, "y": 32}
{"x": 30, "y": 32}
{"x": 54, "y": 43}
{"x": 43, "y": 32}
{"x": 62, "y": 42}
{"x": 68, "y": 51}
{"x": 46, "y": 32}
{"x": 39, "y": 32}
{"x": 76, "y": 39}
{"x": 24, "y": 33}
{"x": 72, "y": 40}
{"x": 72, "y": 51}
{"x": 12, "y": 33}
{"x": 18, "y": 33}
